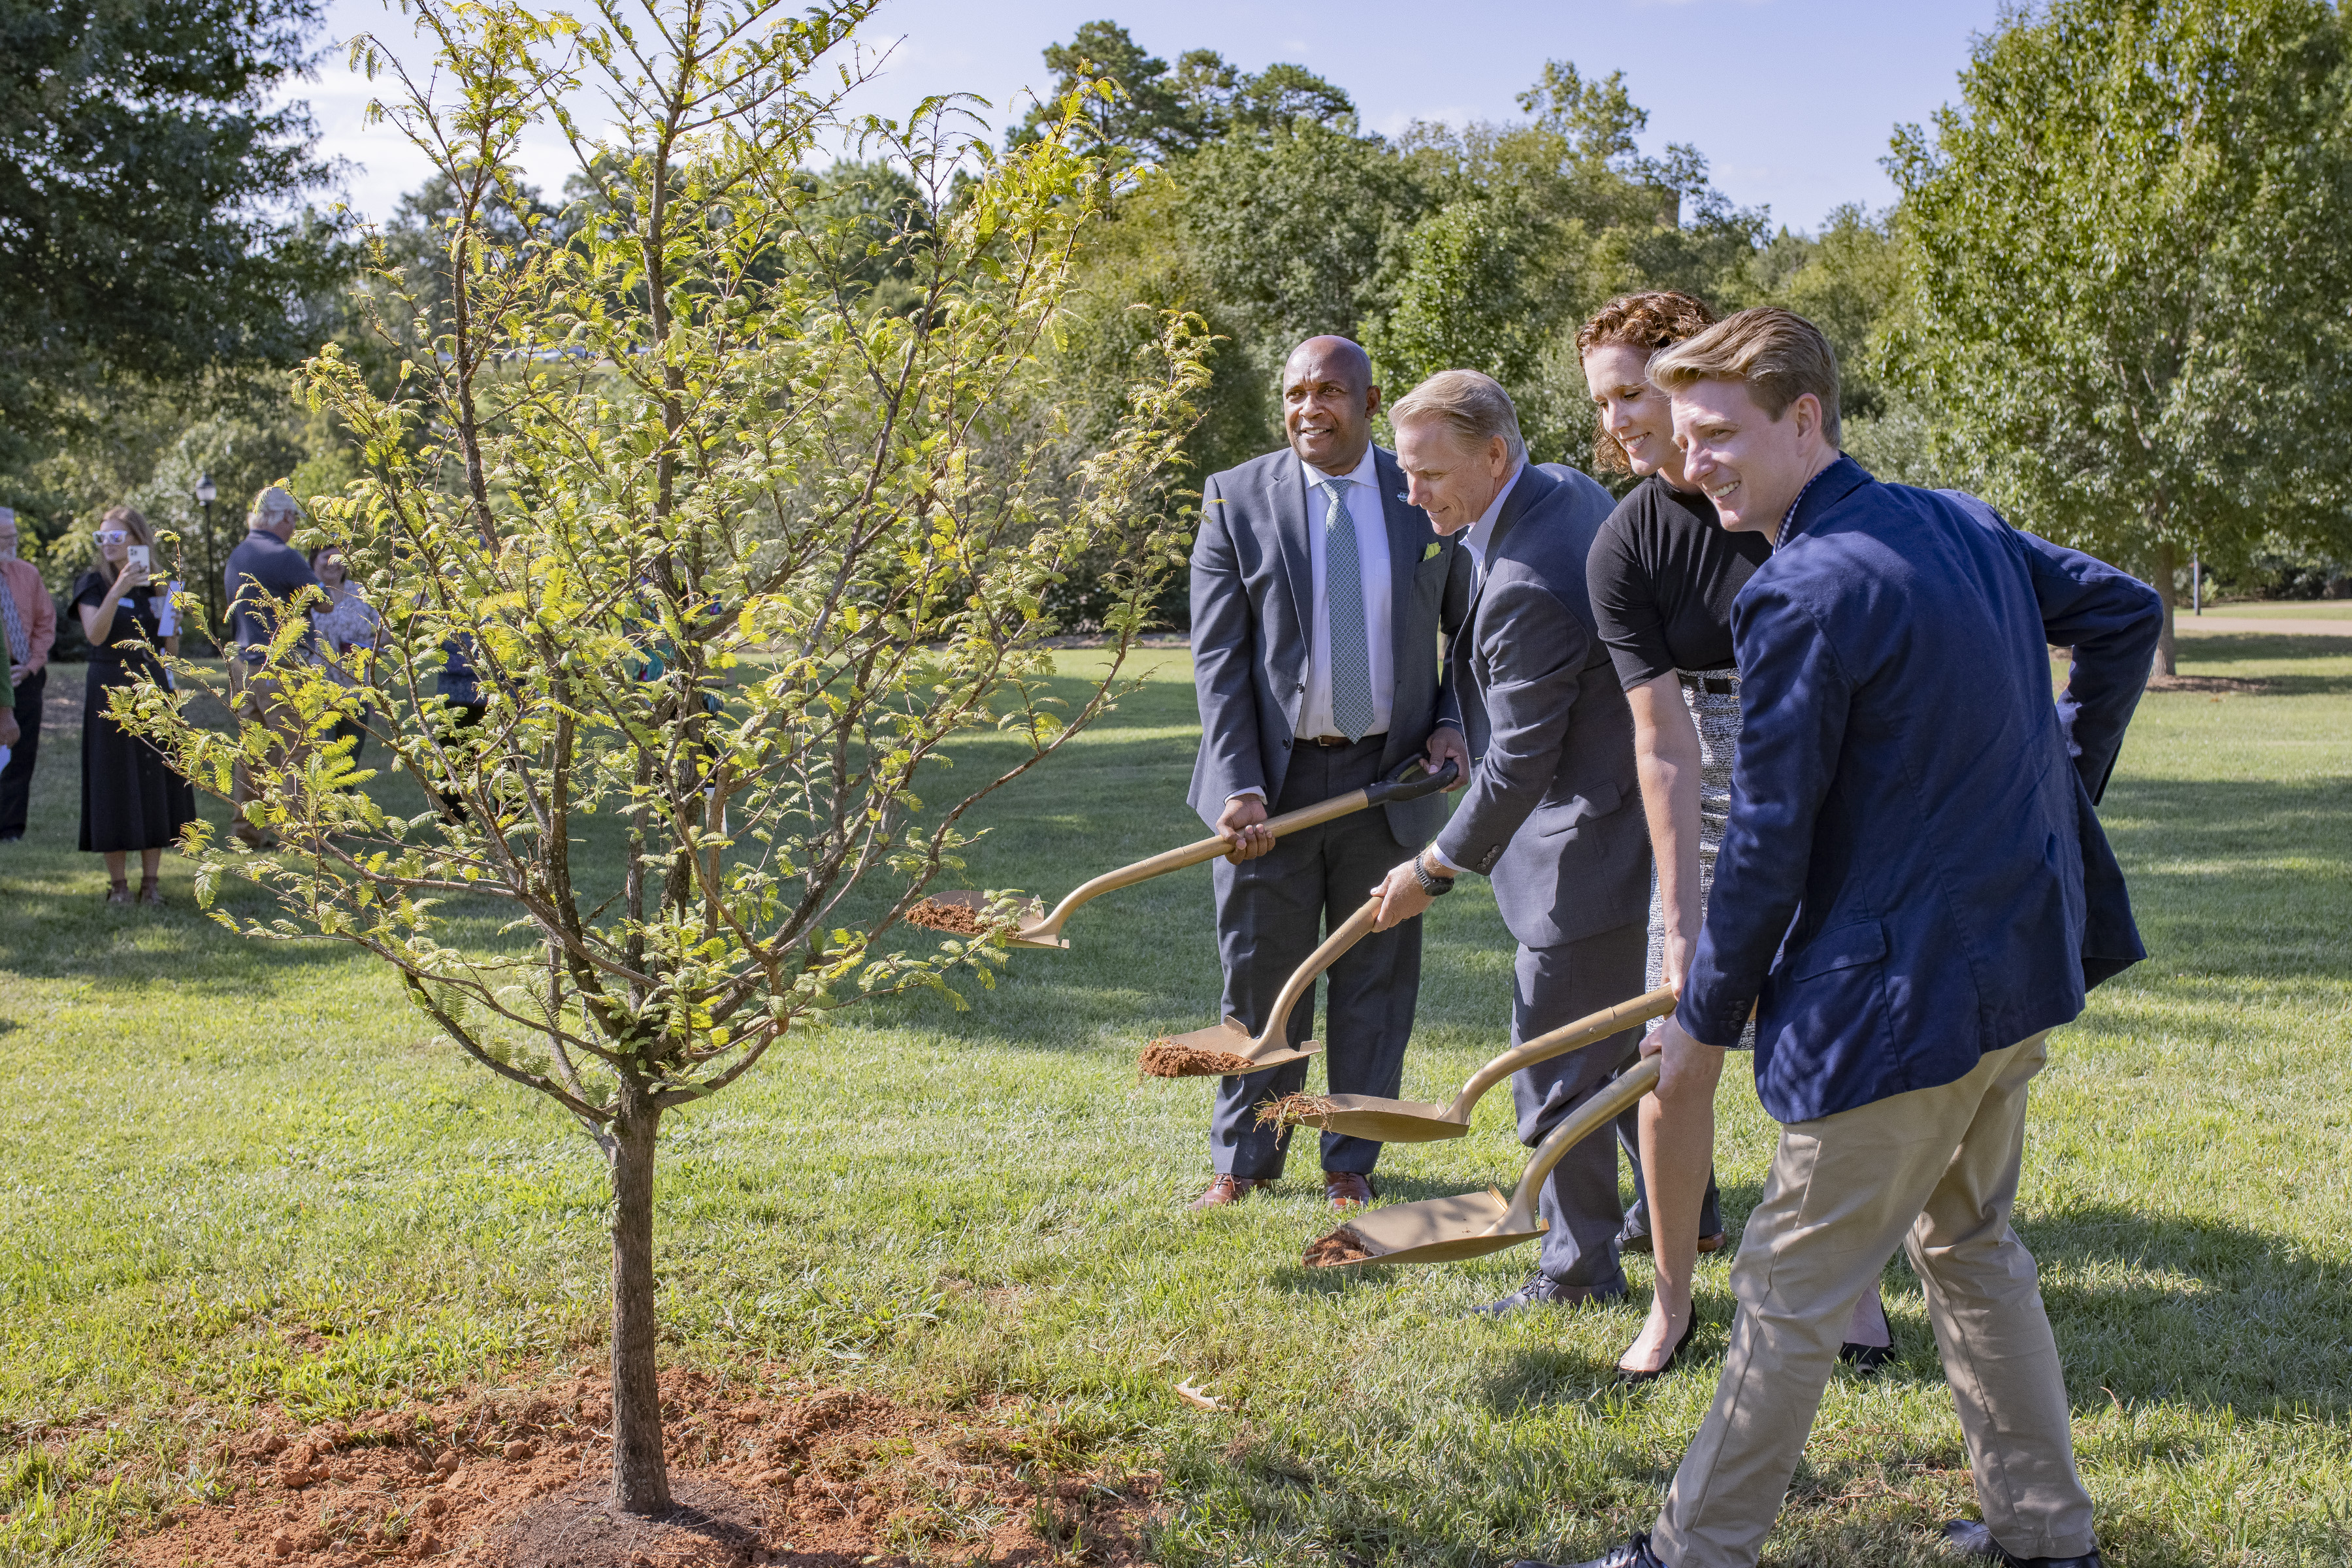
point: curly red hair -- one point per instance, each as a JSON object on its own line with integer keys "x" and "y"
{"x": 1654, "y": 320}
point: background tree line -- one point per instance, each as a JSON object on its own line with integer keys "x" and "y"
{"x": 2108, "y": 297}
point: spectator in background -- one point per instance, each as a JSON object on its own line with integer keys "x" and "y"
{"x": 345, "y": 625}
{"x": 131, "y": 797}
{"x": 263, "y": 574}
{"x": 28, "y": 620}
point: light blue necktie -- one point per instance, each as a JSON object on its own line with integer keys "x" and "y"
{"x": 1351, "y": 660}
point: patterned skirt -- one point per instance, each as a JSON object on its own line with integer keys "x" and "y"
{"x": 1713, "y": 698}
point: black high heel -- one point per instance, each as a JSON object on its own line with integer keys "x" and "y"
{"x": 1627, "y": 1379}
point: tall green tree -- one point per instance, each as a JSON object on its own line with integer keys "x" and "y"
{"x": 2131, "y": 250}
{"x": 147, "y": 197}
{"x": 739, "y": 553}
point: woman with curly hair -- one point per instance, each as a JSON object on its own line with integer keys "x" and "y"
{"x": 1663, "y": 573}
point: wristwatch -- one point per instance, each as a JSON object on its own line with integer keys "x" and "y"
{"x": 1431, "y": 882}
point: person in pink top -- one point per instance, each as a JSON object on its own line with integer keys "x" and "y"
{"x": 28, "y": 623}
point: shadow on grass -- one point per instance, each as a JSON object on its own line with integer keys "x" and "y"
{"x": 2263, "y": 647}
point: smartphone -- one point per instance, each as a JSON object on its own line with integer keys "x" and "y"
{"x": 139, "y": 554}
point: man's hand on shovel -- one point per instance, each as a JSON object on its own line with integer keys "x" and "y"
{"x": 1243, "y": 826}
{"x": 1446, "y": 745}
{"x": 1400, "y": 894}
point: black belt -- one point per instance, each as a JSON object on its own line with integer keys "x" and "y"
{"x": 1722, "y": 686}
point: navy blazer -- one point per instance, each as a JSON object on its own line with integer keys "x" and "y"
{"x": 1553, "y": 812}
{"x": 1253, "y": 622}
{"x": 1912, "y": 874}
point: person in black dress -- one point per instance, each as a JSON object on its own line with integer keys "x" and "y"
{"x": 131, "y": 798}
{"x": 1663, "y": 573}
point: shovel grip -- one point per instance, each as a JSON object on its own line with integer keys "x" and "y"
{"x": 1582, "y": 1122}
{"x": 1357, "y": 927}
{"x": 1585, "y": 1031}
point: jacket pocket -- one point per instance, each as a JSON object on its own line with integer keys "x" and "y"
{"x": 1840, "y": 947}
{"x": 1559, "y": 816}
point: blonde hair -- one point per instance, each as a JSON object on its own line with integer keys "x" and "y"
{"x": 1779, "y": 354}
{"x": 1472, "y": 402}
{"x": 133, "y": 523}
{"x": 271, "y": 504}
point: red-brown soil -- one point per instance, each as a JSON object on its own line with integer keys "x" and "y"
{"x": 959, "y": 919}
{"x": 1164, "y": 1057}
{"x": 768, "y": 1473}
{"x": 1342, "y": 1246}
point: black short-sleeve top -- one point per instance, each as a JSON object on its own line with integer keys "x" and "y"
{"x": 134, "y": 614}
{"x": 1662, "y": 573}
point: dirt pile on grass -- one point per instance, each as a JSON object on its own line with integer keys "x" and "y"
{"x": 1166, "y": 1058}
{"x": 1296, "y": 1109}
{"x": 765, "y": 1474}
{"x": 1342, "y": 1246}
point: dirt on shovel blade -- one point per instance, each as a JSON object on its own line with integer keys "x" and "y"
{"x": 1294, "y": 1110}
{"x": 954, "y": 919}
{"x": 1342, "y": 1246}
{"x": 1164, "y": 1057}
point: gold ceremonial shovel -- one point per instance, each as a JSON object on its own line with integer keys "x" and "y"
{"x": 1228, "y": 1048}
{"x": 1442, "y": 1230}
{"x": 1413, "y": 1122}
{"x": 964, "y": 912}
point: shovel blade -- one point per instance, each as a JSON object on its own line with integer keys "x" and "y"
{"x": 1437, "y": 1230}
{"x": 1382, "y": 1121}
{"x": 974, "y": 905}
{"x": 1233, "y": 1039}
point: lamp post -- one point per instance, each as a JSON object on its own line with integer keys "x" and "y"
{"x": 205, "y": 492}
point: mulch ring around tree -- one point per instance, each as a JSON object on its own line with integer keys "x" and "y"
{"x": 764, "y": 1472}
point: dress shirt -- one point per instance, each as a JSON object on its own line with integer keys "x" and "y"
{"x": 1362, "y": 497}
{"x": 34, "y": 608}
{"x": 1477, "y": 540}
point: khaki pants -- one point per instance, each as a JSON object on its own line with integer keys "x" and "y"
{"x": 1935, "y": 1171}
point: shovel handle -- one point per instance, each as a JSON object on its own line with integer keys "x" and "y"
{"x": 1397, "y": 788}
{"x": 1357, "y": 927}
{"x": 1585, "y": 1031}
{"x": 1582, "y": 1122}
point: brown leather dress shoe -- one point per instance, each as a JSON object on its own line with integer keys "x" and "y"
{"x": 1224, "y": 1189}
{"x": 1347, "y": 1190}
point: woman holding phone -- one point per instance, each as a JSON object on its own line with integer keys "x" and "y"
{"x": 1663, "y": 573}
{"x": 131, "y": 798}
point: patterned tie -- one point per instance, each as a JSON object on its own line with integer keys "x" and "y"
{"x": 20, "y": 646}
{"x": 1351, "y": 660}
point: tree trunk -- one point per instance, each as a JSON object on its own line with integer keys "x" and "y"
{"x": 640, "y": 1474}
{"x": 2166, "y": 562}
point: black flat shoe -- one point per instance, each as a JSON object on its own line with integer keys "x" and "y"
{"x": 1631, "y": 1552}
{"x": 1970, "y": 1536}
{"x": 1628, "y": 1379}
{"x": 1868, "y": 1361}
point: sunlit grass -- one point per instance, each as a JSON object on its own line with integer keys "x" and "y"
{"x": 234, "y": 1173}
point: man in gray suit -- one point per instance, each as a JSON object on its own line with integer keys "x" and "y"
{"x": 1553, "y": 812}
{"x": 1319, "y": 596}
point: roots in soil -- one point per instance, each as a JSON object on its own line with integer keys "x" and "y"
{"x": 1164, "y": 1057}
{"x": 1296, "y": 1109}
{"x": 1342, "y": 1246}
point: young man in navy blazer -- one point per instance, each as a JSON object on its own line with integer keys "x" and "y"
{"x": 1913, "y": 892}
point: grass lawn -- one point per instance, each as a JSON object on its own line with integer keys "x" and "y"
{"x": 234, "y": 1174}
{"x": 2276, "y": 609}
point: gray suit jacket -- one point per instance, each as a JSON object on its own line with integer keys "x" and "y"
{"x": 1254, "y": 625}
{"x": 1553, "y": 812}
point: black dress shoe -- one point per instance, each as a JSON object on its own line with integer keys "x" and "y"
{"x": 1631, "y": 1552}
{"x": 1543, "y": 1291}
{"x": 1868, "y": 1361}
{"x": 1631, "y": 1379}
{"x": 1971, "y": 1537}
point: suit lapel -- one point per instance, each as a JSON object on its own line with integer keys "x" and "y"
{"x": 1287, "y": 495}
{"x": 1409, "y": 535}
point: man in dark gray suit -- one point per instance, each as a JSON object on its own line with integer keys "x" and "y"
{"x": 1553, "y": 812}
{"x": 1319, "y": 596}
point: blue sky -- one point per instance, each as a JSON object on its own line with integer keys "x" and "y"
{"x": 1791, "y": 101}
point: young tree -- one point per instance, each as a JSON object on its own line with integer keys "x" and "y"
{"x": 736, "y": 551}
{"x": 2130, "y": 255}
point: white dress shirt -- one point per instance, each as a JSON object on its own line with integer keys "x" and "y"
{"x": 1364, "y": 509}
{"x": 1477, "y": 539}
